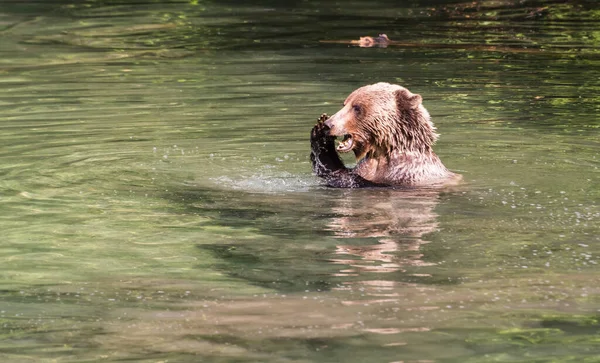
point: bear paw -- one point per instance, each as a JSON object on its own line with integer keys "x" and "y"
{"x": 323, "y": 155}
{"x": 320, "y": 132}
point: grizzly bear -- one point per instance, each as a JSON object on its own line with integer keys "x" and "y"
{"x": 391, "y": 135}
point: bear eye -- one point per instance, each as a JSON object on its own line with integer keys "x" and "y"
{"x": 356, "y": 108}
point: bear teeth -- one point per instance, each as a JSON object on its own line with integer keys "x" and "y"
{"x": 346, "y": 144}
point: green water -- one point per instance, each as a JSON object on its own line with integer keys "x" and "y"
{"x": 157, "y": 202}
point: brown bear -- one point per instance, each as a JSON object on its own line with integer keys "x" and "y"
{"x": 391, "y": 135}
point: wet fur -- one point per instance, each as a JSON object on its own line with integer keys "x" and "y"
{"x": 393, "y": 138}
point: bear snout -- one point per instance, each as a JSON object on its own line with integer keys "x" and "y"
{"x": 336, "y": 125}
{"x": 329, "y": 123}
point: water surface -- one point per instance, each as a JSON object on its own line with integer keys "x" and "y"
{"x": 157, "y": 202}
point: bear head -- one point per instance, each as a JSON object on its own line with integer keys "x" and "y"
{"x": 380, "y": 118}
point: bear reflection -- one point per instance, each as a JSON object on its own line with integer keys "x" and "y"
{"x": 397, "y": 219}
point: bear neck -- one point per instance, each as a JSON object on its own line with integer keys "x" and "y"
{"x": 403, "y": 167}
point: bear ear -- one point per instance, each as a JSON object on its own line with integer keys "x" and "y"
{"x": 407, "y": 100}
{"x": 416, "y": 100}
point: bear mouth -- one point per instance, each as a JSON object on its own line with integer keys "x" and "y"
{"x": 346, "y": 144}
